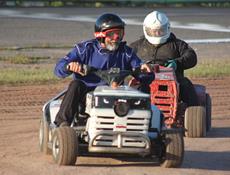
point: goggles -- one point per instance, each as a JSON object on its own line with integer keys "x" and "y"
{"x": 158, "y": 32}
{"x": 112, "y": 34}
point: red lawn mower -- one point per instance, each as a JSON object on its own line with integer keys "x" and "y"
{"x": 164, "y": 92}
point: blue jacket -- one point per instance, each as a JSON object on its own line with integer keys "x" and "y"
{"x": 92, "y": 54}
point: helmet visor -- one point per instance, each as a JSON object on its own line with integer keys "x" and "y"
{"x": 156, "y": 32}
{"x": 112, "y": 34}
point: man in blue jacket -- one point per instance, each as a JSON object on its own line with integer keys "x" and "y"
{"x": 104, "y": 52}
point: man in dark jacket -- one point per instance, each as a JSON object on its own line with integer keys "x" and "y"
{"x": 102, "y": 53}
{"x": 160, "y": 46}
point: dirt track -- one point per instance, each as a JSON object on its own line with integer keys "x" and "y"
{"x": 21, "y": 106}
{"x": 20, "y": 110}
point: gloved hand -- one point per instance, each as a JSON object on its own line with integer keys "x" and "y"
{"x": 171, "y": 64}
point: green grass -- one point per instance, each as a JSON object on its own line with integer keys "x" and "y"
{"x": 26, "y": 76}
{"x": 44, "y": 74}
{"x": 38, "y": 46}
{"x": 22, "y": 59}
{"x": 210, "y": 68}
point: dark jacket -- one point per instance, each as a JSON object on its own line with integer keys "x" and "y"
{"x": 174, "y": 48}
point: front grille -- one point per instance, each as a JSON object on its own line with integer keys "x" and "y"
{"x": 104, "y": 123}
{"x": 133, "y": 124}
{"x": 112, "y": 141}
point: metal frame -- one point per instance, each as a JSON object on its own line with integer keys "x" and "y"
{"x": 120, "y": 148}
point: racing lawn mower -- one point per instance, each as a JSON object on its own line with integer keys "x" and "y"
{"x": 164, "y": 91}
{"x": 119, "y": 121}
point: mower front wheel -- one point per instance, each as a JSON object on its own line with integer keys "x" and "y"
{"x": 64, "y": 146}
{"x": 173, "y": 148}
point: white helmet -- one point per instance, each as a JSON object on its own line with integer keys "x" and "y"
{"x": 156, "y": 27}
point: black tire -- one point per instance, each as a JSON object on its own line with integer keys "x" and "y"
{"x": 208, "y": 107}
{"x": 195, "y": 121}
{"x": 64, "y": 146}
{"x": 44, "y": 137}
{"x": 173, "y": 149}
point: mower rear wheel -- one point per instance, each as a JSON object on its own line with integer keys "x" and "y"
{"x": 64, "y": 146}
{"x": 195, "y": 121}
{"x": 173, "y": 149}
{"x": 208, "y": 106}
{"x": 44, "y": 137}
